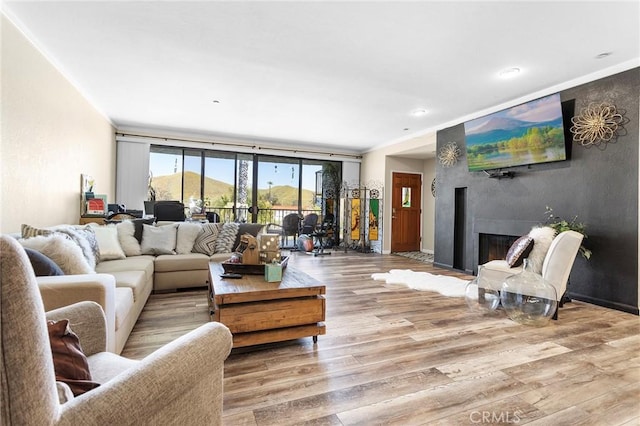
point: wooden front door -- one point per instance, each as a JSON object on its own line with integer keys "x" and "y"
{"x": 406, "y": 210}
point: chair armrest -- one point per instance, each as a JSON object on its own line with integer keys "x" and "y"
{"x": 65, "y": 290}
{"x": 180, "y": 383}
{"x": 87, "y": 320}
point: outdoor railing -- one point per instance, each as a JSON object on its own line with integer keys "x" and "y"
{"x": 265, "y": 216}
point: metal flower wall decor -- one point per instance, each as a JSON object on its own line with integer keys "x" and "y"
{"x": 448, "y": 154}
{"x": 596, "y": 124}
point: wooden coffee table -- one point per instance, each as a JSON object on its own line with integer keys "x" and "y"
{"x": 259, "y": 312}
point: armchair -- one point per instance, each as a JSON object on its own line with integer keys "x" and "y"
{"x": 180, "y": 383}
{"x": 556, "y": 267}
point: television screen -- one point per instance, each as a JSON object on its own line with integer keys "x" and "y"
{"x": 529, "y": 133}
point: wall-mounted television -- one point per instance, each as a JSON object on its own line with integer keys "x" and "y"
{"x": 529, "y": 133}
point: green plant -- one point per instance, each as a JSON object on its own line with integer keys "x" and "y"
{"x": 561, "y": 225}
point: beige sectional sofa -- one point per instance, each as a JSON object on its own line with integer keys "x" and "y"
{"x": 122, "y": 286}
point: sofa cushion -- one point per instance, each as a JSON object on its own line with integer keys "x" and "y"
{"x": 124, "y": 305}
{"x": 69, "y": 362}
{"x": 138, "y": 224}
{"x": 135, "y": 280}
{"x": 105, "y": 366}
{"x": 206, "y": 240}
{"x": 42, "y": 265}
{"x": 186, "y": 236}
{"x": 182, "y": 262}
{"x": 135, "y": 263}
{"x": 64, "y": 252}
{"x": 159, "y": 239}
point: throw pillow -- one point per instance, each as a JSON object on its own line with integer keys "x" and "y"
{"x": 107, "y": 236}
{"x": 80, "y": 239}
{"x": 159, "y": 239}
{"x": 29, "y": 231}
{"x": 226, "y": 238}
{"x": 519, "y": 251}
{"x": 186, "y": 237}
{"x": 69, "y": 362}
{"x": 42, "y": 265}
{"x": 138, "y": 224}
{"x": 64, "y": 252}
{"x": 126, "y": 236}
{"x": 90, "y": 235}
{"x": 206, "y": 240}
{"x": 542, "y": 238}
{"x": 70, "y": 232}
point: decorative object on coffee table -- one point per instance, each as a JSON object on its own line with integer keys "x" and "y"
{"x": 240, "y": 268}
{"x": 272, "y": 272}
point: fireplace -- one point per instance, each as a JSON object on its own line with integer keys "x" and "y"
{"x": 492, "y": 238}
{"x": 493, "y": 246}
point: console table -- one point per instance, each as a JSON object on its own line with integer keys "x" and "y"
{"x": 260, "y": 312}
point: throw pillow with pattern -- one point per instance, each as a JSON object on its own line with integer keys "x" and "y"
{"x": 226, "y": 238}
{"x": 206, "y": 240}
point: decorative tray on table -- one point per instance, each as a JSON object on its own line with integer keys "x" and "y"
{"x": 241, "y": 268}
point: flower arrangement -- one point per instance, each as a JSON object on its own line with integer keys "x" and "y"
{"x": 560, "y": 225}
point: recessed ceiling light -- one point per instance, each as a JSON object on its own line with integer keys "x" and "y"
{"x": 419, "y": 112}
{"x": 215, "y": 101}
{"x": 405, "y": 129}
{"x": 509, "y": 72}
{"x": 603, "y": 55}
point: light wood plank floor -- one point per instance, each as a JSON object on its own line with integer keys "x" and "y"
{"x": 398, "y": 356}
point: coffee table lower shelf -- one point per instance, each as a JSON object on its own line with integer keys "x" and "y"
{"x": 278, "y": 335}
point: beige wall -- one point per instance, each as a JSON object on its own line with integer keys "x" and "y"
{"x": 379, "y": 165}
{"x": 50, "y": 135}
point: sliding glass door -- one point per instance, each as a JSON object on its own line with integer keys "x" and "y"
{"x": 238, "y": 187}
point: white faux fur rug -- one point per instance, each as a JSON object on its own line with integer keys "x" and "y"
{"x": 447, "y": 286}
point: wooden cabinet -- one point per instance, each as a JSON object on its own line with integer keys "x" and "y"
{"x": 91, "y": 219}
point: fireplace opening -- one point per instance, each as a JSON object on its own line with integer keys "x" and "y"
{"x": 494, "y": 247}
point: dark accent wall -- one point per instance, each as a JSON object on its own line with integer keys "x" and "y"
{"x": 600, "y": 185}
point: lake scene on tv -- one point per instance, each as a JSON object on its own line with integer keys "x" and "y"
{"x": 529, "y": 133}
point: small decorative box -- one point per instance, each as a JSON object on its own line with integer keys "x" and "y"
{"x": 272, "y": 272}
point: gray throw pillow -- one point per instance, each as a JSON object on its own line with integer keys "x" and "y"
{"x": 42, "y": 265}
{"x": 226, "y": 238}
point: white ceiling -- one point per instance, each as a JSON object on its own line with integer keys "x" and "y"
{"x": 341, "y": 76}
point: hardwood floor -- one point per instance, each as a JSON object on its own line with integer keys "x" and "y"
{"x": 393, "y": 355}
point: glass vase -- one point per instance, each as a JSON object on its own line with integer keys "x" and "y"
{"x": 527, "y": 298}
{"x": 481, "y": 294}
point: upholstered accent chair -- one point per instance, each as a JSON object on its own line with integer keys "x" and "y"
{"x": 180, "y": 383}
{"x": 556, "y": 266}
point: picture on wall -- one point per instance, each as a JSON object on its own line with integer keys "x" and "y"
{"x": 355, "y": 219}
{"x": 529, "y": 133}
{"x": 374, "y": 211}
